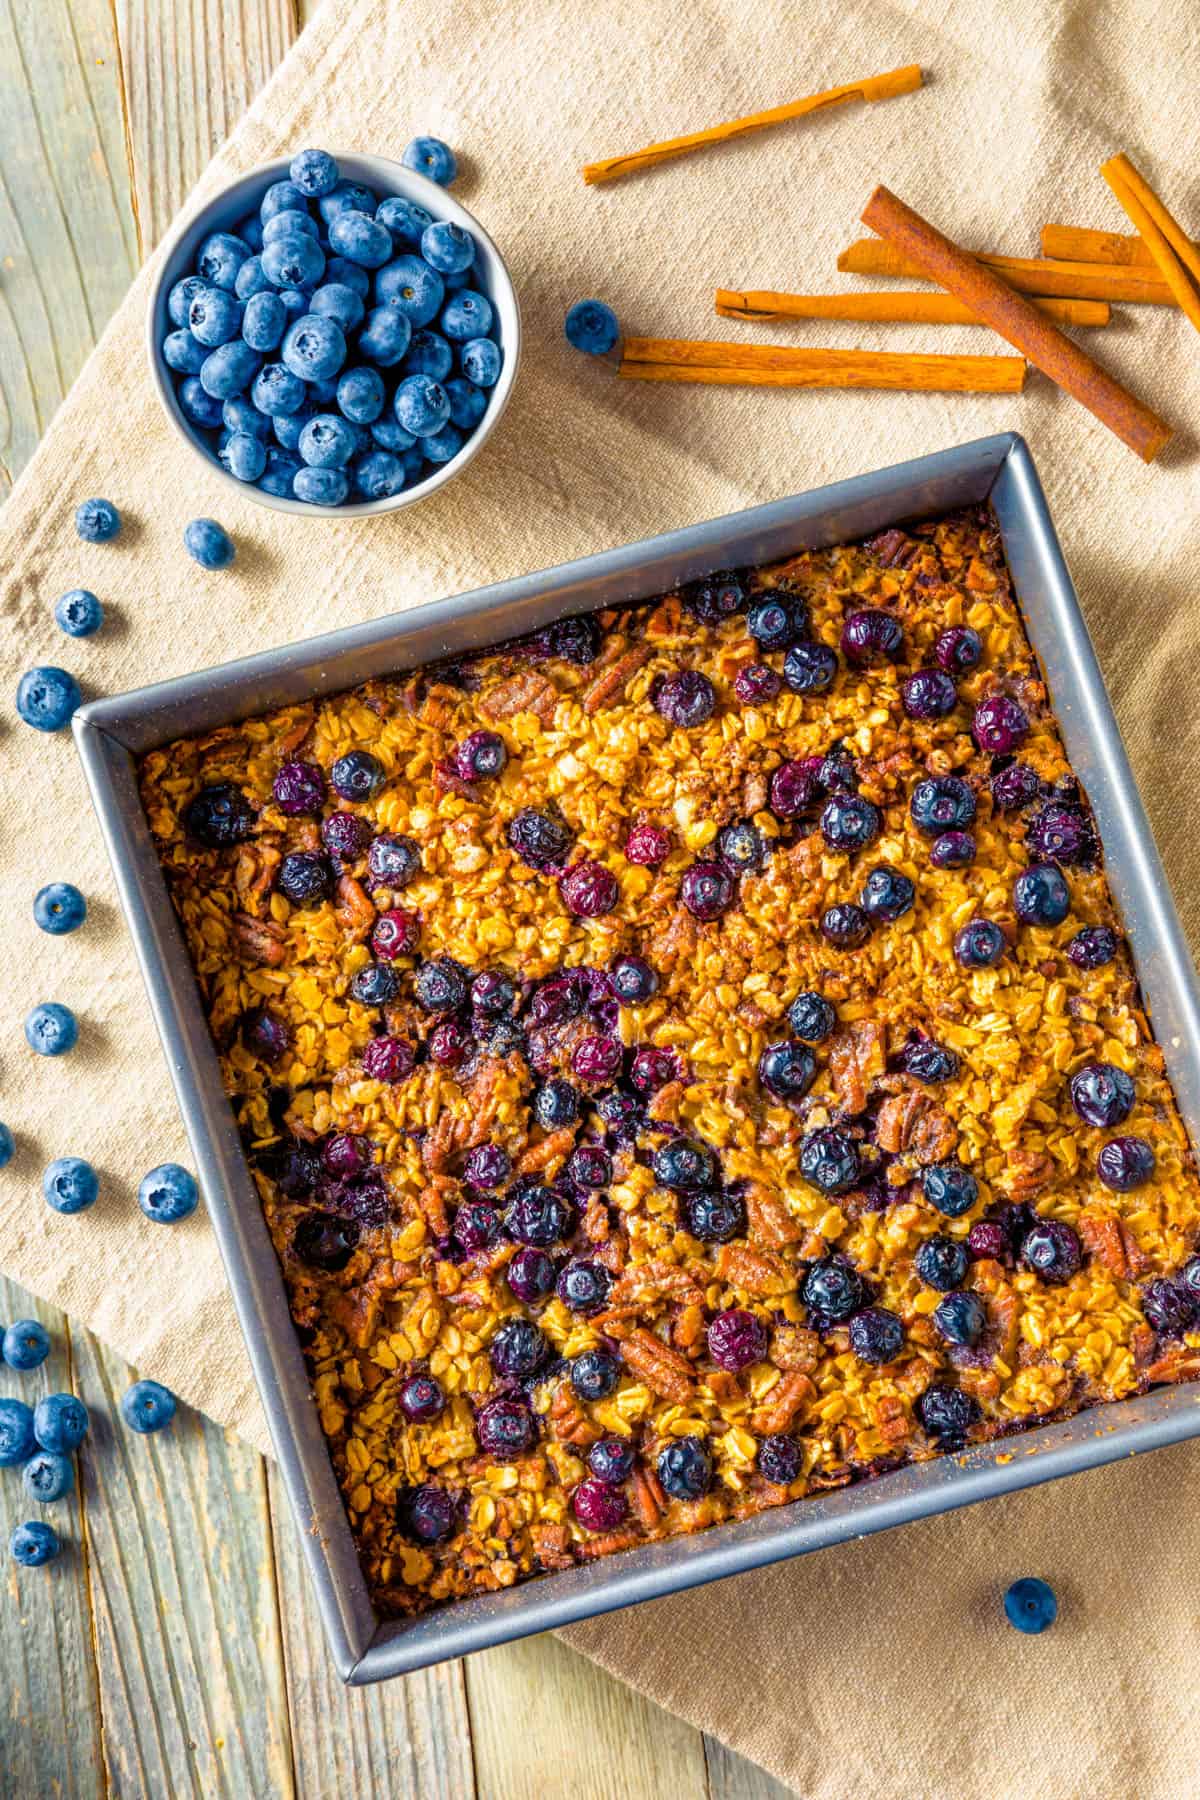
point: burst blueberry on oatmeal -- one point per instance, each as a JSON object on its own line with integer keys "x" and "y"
{"x": 653, "y": 1123}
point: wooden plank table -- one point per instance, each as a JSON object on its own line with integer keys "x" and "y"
{"x": 174, "y": 1649}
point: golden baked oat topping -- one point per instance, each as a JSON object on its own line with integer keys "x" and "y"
{"x": 688, "y": 1059}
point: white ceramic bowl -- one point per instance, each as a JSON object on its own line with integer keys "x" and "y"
{"x": 387, "y": 178}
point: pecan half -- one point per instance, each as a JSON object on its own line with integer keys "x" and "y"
{"x": 551, "y": 1149}
{"x": 771, "y": 1224}
{"x": 857, "y": 1056}
{"x": 783, "y": 1403}
{"x": 649, "y": 1501}
{"x": 551, "y": 1546}
{"x": 355, "y": 912}
{"x": 611, "y": 682}
{"x": 660, "y": 1367}
{"x": 794, "y": 1347}
{"x": 253, "y": 873}
{"x": 260, "y": 940}
{"x": 754, "y": 1271}
{"x": 526, "y": 691}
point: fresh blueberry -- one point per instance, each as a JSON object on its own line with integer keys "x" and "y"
{"x": 304, "y": 878}
{"x": 684, "y": 1469}
{"x": 391, "y": 436}
{"x": 479, "y": 359}
{"x": 17, "y": 1441}
{"x": 707, "y": 889}
{"x": 1051, "y": 1250}
{"x": 347, "y": 196}
{"x": 848, "y": 822}
{"x": 314, "y": 172}
{"x": 684, "y": 1164}
{"x": 468, "y": 403}
{"x": 429, "y": 354}
{"x": 244, "y": 456}
{"x": 736, "y": 1339}
{"x": 405, "y": 220}
{"x": 168, "y": 1194}
{"x": 219, "y": 259}
{"x": 961, "y": 1318}
{"x": 1125, "y": 1163}
{"x": 97, "y": 521}
{"x": 26, "y": 1345}
{"x": 833, "y": 1289}
{"x": 829, "y": 1160}
{"x": 183, "y": 353}
{"x": 180, "y": 298}
{"x": 1093, "y": 947}
{"x": 928, "y": 694}
{"x": 292, "y": 260}
{"x": 941, "y": 1262}
{"x": 777, "y": 622}
{"x": 1102, "y": 1094}
{"x": 929, "y": 1062}
{"x": 148, "y": 1406}
{"x": 360, "y": 239}
{"x": 979, "y": 945}
{"x": 958, "y": 650}
{"x": 1031, "y": 1605}
{"x": 277, "y": 391}
{"x": 214, "y": 317}
{"x": 947, "y": 1414}
{"x": 198, "y": 406}
{"x": 952, "y": 850}
{"x": 320, "y": 487}
{"x": 505, "y": 1429}
{"x": 441, "y": 446}
{"x": 341, "y": 273}
{"x": 422, "y": 1399}
{"x": 339, "y": 303}
{"x": 326, "y": 442}
{"x": 887, "y": 894}
{"x": 47, "y": 697}
{"x": 361, "y": 395}
{"x": 8, "y": 1146}
{"x": 941, "y": 803}
{"x": 421, "y": 405}
{"x": 379, "y": 476}
{"x": 251, "y": 281}
{"x": 1041, "y": 895}
{"x": 756, "y": 684}
{"x": 430, "y": 157}
{"x": 592, "y": 327}
{"x": 47, "y": 1477}
{"x": 809, "y": 667}
{"x": 70, "y": 1185}
{"x": 467, "y": 319}
{"x": 280, "y": 472}
{"x": 787, "y": 1070}
{"x": 447, "y": 248}
{"x": 33, "y": 1544}
{"x": 416, "y": 291}
{"x": 313, "y": 348}
{"x": 845, "y": 926}
{"x": 209, "y": 544}
{"x": 950, "y": 1187}
{"x": 713, "y": 1215}
{"x": 811, "y": 1017}
{"x": 51, "y": 1029}
{"x": 876, "y": 1335}
{"x": 281, "y": 196}
{"x": 59, "y": 908}
{"x": 872, "y": 636}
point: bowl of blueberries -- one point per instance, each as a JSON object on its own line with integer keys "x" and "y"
{"x": 335, "y": 335}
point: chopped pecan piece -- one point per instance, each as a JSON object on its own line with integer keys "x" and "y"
{"x": 677, "y": 939}
{"x": 569, "y": 1422}
{"x": 660, "y": 1367}
{"x": 611, "y": 683}
{"x": 1028, "y": 1172}
{"x": 782, "y": 1405}
{"x": 604, "y": 1543}
{"x": 551, "y": 1546}
{"x": 795, "y": 1347}
{"x": 1111, "y": 1242}
{"x": 254, "y": 872}
{"x": 771, "y": 1224}
{"x": 723, "y": 1387}
{"x": 294, "y": 736}
{"x": 649, "y": 1501}
{"x": 665, "y": 1104}
{"x": 755, "y": 791}
{"x": 912, "y": 1121}
{"x": 754, "y": 1271}
{"x": 260, "y": 940}
{"x": 355, "y": 912}
{"x": 526, "y": 691}
{"x": 552, "y": 1149}
{"x": 597, "y": 1226}
{"x": 654, "y": 1280}
{"x": 432, "y": 1202}
{"x": 857, "y": 1056}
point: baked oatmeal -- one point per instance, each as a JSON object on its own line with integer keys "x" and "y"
{"x": 688, "y": 1058}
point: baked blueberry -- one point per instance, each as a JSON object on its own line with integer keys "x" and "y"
{"x": 612, "y": 1460}
{"x": 1093, "y": 947}
{"x": 829, "y": 1160}
{"x": 777, "y": 621}
{"x": 518, "y": 1349}
{"x": 530, "y": 1275}
{"x": 929, "y": 1062}
{"x": 589, "y": 890}
{"x": 595, "y": 1374}
{"x": 928, "y": 694}
{"x": 941, "y": 803}
{"x": 357, "y": 775}
{"x": 541, "y": 838}
{"x": 756, "y": 684}
{"x": 1102, "y": 1094}
{"x": 1000, "y": 725}
{"x": 322, "y": 1242}
{"x": 422, "y": 1399}
{"x": 304, "y": 878}
{"x": 845, "y": 926}
{"x": 592, "y": 327}
{"x": 947, "y": 1414}
{"x": 961, "y": 1318}
{"x": 714, "y": 598}
{"x": 441, "y": 986}
{"x": 950, "y": 1187}
{"x": 809, "y": 667}
{"x": 848, "y": 822}
{"x": 958, "y": 650}
{"x": 952, "y": 850}
{"x": 556, "y": 1103}
{"x": 633, "y": 980}
{"x": 787, "y": 1070}
{"x": 395, "y": 933}
{"x": 597, "y": 1060}
{"x": 684, "y": 1469}
{"x": 794, "y": 789}
{"x": 1125, "y": 1163}
{"x": 979, "y": 945}
{"x": 876, "y": 1335}
{"x": 299, "y": 788}
{"x": 942, "y": 1262}
{"x": 1061, "y": 834}
{"x": 811, "y": 1017}
{"x": 583, "y": 1286}
{"x": 598, "y": 1506}
{"x": 887, "y": 894}
{"x": 684, "y": 1164}
{"x": 265, "y": 1034}
{"x": 736, "y": 1338}
{"x": 505, "y": 1429}
{"x": 741, "y": 847}
{"x": 493, "y": 993}
{"x": 1041, "y": 895}
{"x": 1051, "y": 1250}
{"x": 707, "y": 890}
{"x": 647, "y": 845}
{"x": 1015, "y": 786}
{"x": 713, "y": 1215}
{"x": 476, "y": 1226}
{"x": 1170, "y": 1307}
{"x": 871, "y": 637}
{"x": 779, "y": 1459}
{"x": 393, "y": 860}
{"x": 685, "y": 699}
{"x": 833, "y": 1289}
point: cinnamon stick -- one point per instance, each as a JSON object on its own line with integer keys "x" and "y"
{"x": 1014, "y": 318}
{"x": 1075, "y": 243}
{"x": 1028, "y": 274}
{"x": 1174, "y": 254}
{"x": 876, "y": 87}
{"x": 777, "y": 365}
{"x": 895, "y": 307}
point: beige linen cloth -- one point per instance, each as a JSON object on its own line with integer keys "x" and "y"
{"x": 884, "y": 1666}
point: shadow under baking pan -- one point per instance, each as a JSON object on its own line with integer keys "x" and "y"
{"x": 110, "y": 734}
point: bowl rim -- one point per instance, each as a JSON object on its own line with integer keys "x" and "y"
{"x": 408, "y": 183}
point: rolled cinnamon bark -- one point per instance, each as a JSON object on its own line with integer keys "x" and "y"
{"x": 1014, "y": 318}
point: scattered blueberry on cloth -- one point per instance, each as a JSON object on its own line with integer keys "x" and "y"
{"x": 148, "y": 1406}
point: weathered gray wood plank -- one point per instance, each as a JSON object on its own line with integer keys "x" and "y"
{"x": 68, "y": 246}
{"x": 189, "y": 1660}
{"x": 49, "y": 1713}
{"x": 732, "y": 1777}
{"x": 547, "y": 1723}
{"x": 190, "y": 73}
{"x": 410, "y": 1737}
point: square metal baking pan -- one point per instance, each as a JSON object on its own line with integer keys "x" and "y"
{"x": 111, "y": 733}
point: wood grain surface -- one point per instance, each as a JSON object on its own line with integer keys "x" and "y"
{"x": 174, "y": 1649}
